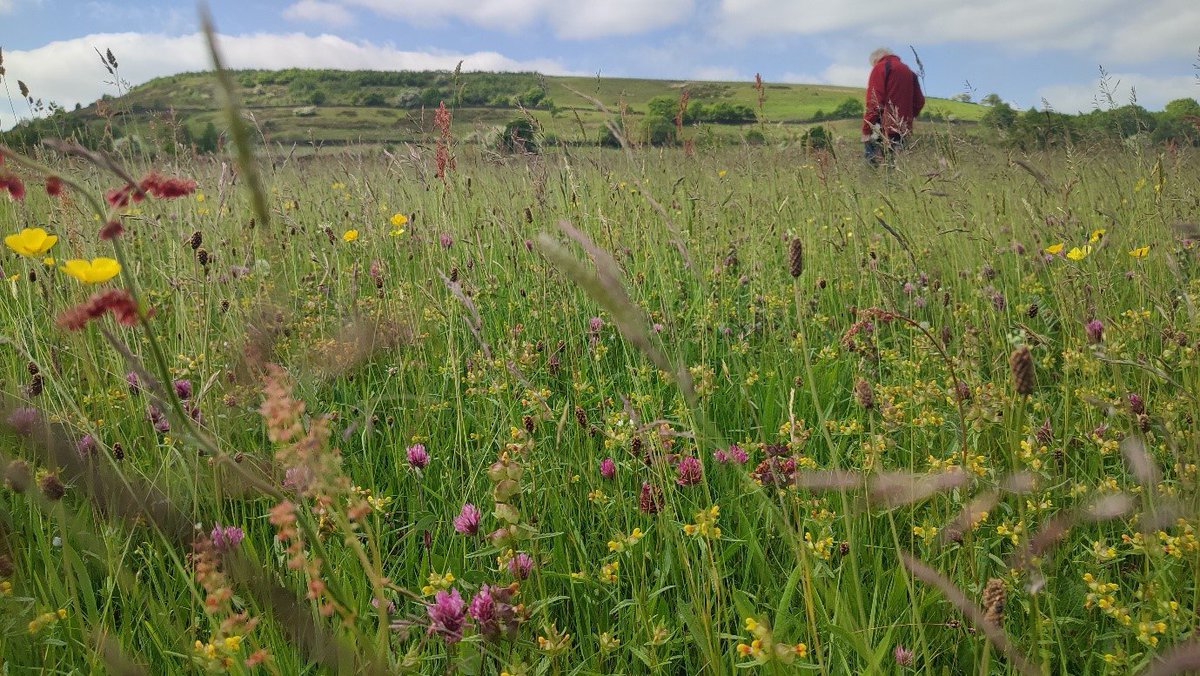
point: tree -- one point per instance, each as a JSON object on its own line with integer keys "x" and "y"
{"x": 1001, "y": 116}
{"x": 207, "y": 142}
{"x": 963, "y": 97}
{"x": 317, "y": 97}
{"x": 658, "y": 131}
{"x": 663, "y": 106}
{"x": 519, "y": 136}
{"x": 991, "y": 100}
{"x": 848, "y": 109}
{"x": 1182, "y": 108}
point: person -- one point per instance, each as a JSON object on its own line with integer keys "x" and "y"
{"x": 893, "y": 99}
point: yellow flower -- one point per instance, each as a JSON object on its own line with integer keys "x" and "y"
{"x": 233, "y": 643}
{"x": 1096, "y": 235}
{"x": 1079, "y": 253}
{"x": 721, "y": 173}
{"x": 48, "y": 261}
{"x": 94, "y": 271}
{"x": 399, "y": 219}
{"x": 1054, "y": 249}
{"x": 349, "y": 235}
{"x": 31, "y": 241}
{"x": 199, "y": 197}
{"x": 1140, "y": 252}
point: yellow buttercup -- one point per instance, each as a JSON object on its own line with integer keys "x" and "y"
{"x": 95, "y": 271}
{"x": 31, "y": 241}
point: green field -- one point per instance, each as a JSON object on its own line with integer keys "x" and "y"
{"x": 964, "y": 388}
{"x": 351, "y": 112}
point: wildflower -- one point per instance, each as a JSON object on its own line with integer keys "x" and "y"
{"x": 445, "y": 240}
{"x": 1096, "y": 235}
{"x": 349, "y": 235}
{"x": 608, "y": 468}
{"x": 608, "y": 642}
{"x": 226, "y": 538}
{"x": 467, "y": 521}
{"x": 520, "y": 565}
{"x": 795, "y": 257}
{"x": 168, "y": 187}
{"x": 608, "y": 571}
{"x": 650, "y": 499}
{"x": 24, "y": 420}
{"x": 554, "y": 642}
{"x": 52, "y": 487}
{"x": 131, "y": 379}
{"x": 1139, "y": 252}
{"x": 111, "y": 230}
{"x": 705, "y": 525}
{"x": 54, "y": 186}
{"x": 398, "y": 220}
{"x": 447, "y": 615}
{"x": 86, "y": 446}
{"x": 116, "y": 301}
{"x": 14, "y": 186}
{"x": 183, "y": 389}
{"x": 864, "y": 394}
{"x": 690, "y": 471}
{"x": 1079, "y": 253}
{"x": 95, "y": 271}
{"x": 1021, "y": 365}
{"x": 1136, "y": 405}
{"x": 1095, "y": 331}
{"x": 1053, "y": 249}
{"x": 904, "y": 656}
{"x": 493, "y": 612}
{"x": 417, "y": 456}
{"x": 595, "y": 324}
{"x": 31, "y": 241}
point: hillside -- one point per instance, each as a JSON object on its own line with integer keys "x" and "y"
{"x": 338, "y": 107}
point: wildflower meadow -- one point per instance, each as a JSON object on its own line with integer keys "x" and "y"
{"x": 600, "y": 411}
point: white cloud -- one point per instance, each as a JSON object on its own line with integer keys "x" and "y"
{"x": 68, "y": 71}
{"x": 1152, "y": 92}
{"x": 572, "y": 19}
{"x": 845, "y": 75}
{"x": 316, "y": 11}
{"x": 1112, "y": 28}
{"x": 6, "y": 6}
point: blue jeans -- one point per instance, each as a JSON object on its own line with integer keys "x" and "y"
{"x": 877, "y": 149}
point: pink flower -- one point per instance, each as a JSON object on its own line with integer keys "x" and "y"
{"x": 183, "y": 388}
{"x": 445, "y": 240}
{"x": 225, "y": 538}
{"x": 467, "y": 521}
{"x": 690, "y": 470}
{"x": 1095, "y": 331}
{"x": 650, "y": 499}
{"x": 595, "y": 324}
{"x": 417, "y": 456}
{"x": 520, "y": 565}
{"x": 447, "y": 615}
{"x": 904, "y": 656}
{"x": 492, "y": 611}
{"x": 608, "y": 468}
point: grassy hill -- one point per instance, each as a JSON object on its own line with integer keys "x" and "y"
{"x": 340, "y": 107}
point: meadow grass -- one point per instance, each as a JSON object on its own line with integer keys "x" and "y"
{"x": 459, "y": 314}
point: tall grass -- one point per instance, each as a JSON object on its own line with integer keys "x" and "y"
{"x": 525, "y": 320}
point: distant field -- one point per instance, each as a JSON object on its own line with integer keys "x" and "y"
{"x": 369, "y": 113}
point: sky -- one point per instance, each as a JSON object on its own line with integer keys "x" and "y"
{"x": 1029, "y": 52}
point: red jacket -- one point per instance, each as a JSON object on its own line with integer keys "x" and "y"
{"x": 893, "y": 95}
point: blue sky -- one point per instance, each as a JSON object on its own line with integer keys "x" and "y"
{"x": 1023, "y": 50}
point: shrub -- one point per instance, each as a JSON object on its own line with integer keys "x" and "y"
{"x": 519, "y": 136}
{"x": 755, "y": 137}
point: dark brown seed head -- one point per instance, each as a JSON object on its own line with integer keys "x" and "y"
{"x": 195, "y": 240}
{"x": 581, "y": 416}
{"x": 202, "y": 256}
{"x": 864, "y": 394}
{"x": 35, "y": 386}
{"x": 32, "y": 368}
{"x": 1021, "y": 365}
{"x": 117, "y": 451}
{"x": 796, "y": 257}
{"x": 1032, "y": 311}
{"x": 6, "y": 566}
{"x": 993, "y": 602}
{"x": 527, "y": 422}
{"x": 52, "y": 487}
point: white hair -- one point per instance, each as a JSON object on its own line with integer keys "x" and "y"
{"x": 879, "y": 54}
